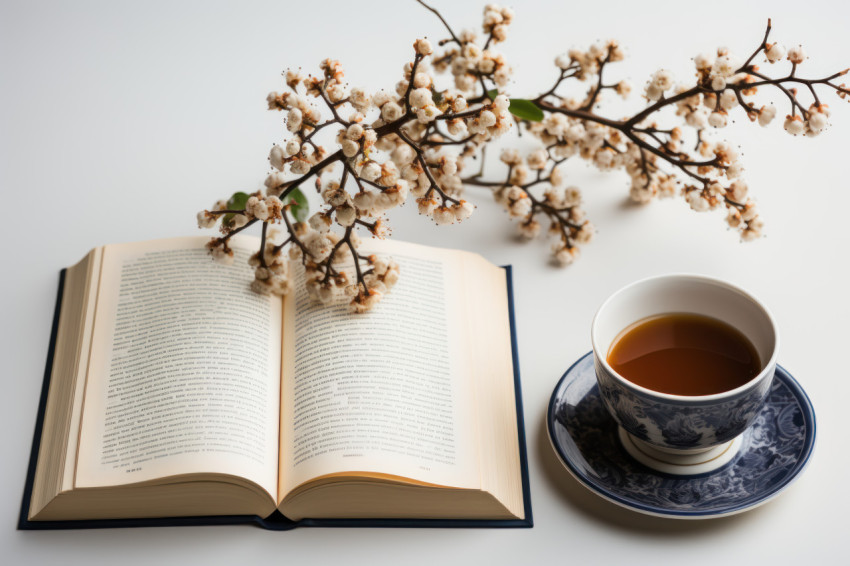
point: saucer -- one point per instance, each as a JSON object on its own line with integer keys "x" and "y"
{"x": 774, "y": 450}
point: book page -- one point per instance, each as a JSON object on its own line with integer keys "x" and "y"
{"x": 86, "y": 325}
{"x": 489, "y": 345}
{"x": 184, "y": 375}
{"x": 385, "y": 392}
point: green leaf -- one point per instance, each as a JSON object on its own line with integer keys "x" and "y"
{"x": 525, "y": 110}
{"x": 235, "y": 202}
{"x": 520, "y": 107}
{"x": 300, "y": 208}
{"x": 436, "y": 96}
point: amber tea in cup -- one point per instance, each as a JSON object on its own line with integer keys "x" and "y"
{"x": 684, "y": 354}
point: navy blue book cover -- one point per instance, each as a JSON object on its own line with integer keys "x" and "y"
{"x": 276, "y": 521}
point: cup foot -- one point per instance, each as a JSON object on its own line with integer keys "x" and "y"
{"x": 680, "y": 463}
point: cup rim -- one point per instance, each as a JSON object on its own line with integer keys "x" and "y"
{"x": 603, "y": 359}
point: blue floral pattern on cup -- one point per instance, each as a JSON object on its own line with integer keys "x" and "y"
{"x": 685, "y": 423}
{"x": 775, "y": 449}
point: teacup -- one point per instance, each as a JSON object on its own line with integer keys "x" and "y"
{"x": 681, "y": 434}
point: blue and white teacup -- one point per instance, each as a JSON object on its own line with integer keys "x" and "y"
{"x": 681, "y": 434}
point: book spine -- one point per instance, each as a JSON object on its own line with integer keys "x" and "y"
{"x": 23, "y": 520}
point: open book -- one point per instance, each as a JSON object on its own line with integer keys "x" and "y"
{"x": 176, "y": 391}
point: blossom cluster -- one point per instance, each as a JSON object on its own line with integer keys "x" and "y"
{"x": 367, "y": 152}
{"x": 662, "y": 157}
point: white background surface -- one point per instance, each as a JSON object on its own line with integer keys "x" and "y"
{"x": 118, "y": 121}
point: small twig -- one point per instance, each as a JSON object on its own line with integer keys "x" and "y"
{"x": 442, "y": 19}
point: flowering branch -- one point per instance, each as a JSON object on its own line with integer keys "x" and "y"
{"x": 416, "y": 141}
{"x": 657, "y": 159}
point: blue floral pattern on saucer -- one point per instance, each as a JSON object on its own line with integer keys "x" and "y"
{"x": 775, "y": 450}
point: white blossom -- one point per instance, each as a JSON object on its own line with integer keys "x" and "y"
{"x": 380, "y": 98}
{"x": 537, "y": 159}
{"x": 738, "y": 190}
{"x": 766, "y": 115}
{"x": 487, "y": 118}
{"x": 796, "y": 55}
{"x": 257, "y": 208}
{"x": 733, "y": 219}
{"x": 427, "y": 113}
{"x": 273, "y": 183}
{"x": 299, "y": 166}
{"x": 697, "y": 118}
{"x": 753, "y": 230}
{"x": 293, "y": 119}
{"x": 318, "y": 245}
{"x": 565, "y": 255}
{"x": 320, "y": 222}
{"x": 354, "y": 132}
{"x": 718, "y": 82}
{"x": 653, "y": 92}
{"x": 391, "y": 111}
{"x": 794, "y": 125}
{"x": 703, "y": 61}
{"x": 426, "y": 206}
{"x": 662, "y": 79}
{"x": 817, "y": 121}
{"x": 277, "y": 157}
{"x": 350, "y": 148}
{"x": 501, "y": 102}
{"x": 717, "y": 119}
{"x": 667, "y": 187}
{"x": 510, "y": 156}
{"x": 728, "y": 99}
{"x": 346, "y": 215}
{"x": 774, "y": 53}
{"x": 716, "y": 189}
{"x": 749, "y": 211}
{"x": 220, "y": 252}
{"x": 293, "y": 146}
{"x": 459, "y": 104}
{"x": 423, "y": 47}
{"x": 422, "y": 80}
{"x": 206, "y": 220}
{"x": 443, "y": 215}
{"x": 380, "y": 229}
{"x": 528, "y": 230}
{"x": 585, "y": 234}
{"x": 371, "y": 171}
{"x": 463, "y": 210}
{"x": 725, "y": 66}
{"x": 359, "y": 99}
{"x": 520, "y": 207}
{"x": 364, "y": 201}
{"x": 697, "y": 202}
{"x": 420, "y": 97}
{"x": 734, "y": 170}
{"x": 274, "y": 206}
{"x": 519, "y": 174}
{"x": 501, "y": 76}
{"x": 366, "y": 302}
